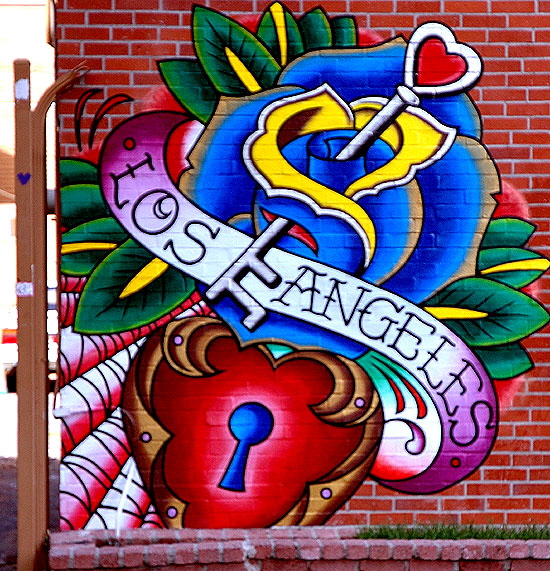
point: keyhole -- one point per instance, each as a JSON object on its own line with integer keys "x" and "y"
{"x": 250, "y": 423}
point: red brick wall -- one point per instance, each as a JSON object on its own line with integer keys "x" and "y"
{"x": 296, "y": 549}
{"x": 120, "y": 40}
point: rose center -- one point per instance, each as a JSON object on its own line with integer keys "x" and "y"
{"x": 315, "y": 156}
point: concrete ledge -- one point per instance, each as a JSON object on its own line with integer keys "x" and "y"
{"x": 285, "y": 548}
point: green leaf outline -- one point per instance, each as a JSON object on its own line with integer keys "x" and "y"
{"x": 82, "y": 203}
{"x": 77, "y": 171}
{"x": 100, "y": 310}
{"x": 507, "y": 232}
{"x": 504, "y": 361}
{"x": 492, "y": 257}
{"x": 189, "y": 84}
{"x": 212, "y": 33}
{"x": 316, "y": 30}
{"x": 512, "y": 315}
{"x": 106, "y": 230}
{"x": 344, "y": 31}
{"x": 100, "y": 230}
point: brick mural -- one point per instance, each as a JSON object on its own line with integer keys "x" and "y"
{"x": 302, "y": 264}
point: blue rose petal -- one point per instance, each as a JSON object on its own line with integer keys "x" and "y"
{"x": 376, "y": 72}
{"x": 447, "y": 197}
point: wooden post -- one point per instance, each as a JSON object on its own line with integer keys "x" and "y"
{"x": 32, "y": 467}
{"x": 31, "y": 290}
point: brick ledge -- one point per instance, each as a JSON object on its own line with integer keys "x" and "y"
{"x": 298, "y": 548}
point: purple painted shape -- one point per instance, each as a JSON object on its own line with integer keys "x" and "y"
{"x": 467, "y": 406}
{"x": 149, "y": 133}
{"x": 24, "y": 177}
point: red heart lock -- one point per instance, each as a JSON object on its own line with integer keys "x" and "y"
{"x": 185, "y": 393}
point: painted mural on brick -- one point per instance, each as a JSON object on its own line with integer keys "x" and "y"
{"x": 295, "y": 279}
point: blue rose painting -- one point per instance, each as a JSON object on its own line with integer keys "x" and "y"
{"x": 307, "y": 244}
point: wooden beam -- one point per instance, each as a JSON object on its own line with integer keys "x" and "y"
{"x": 31, "y": 289}
{"x": 32, "y": 467}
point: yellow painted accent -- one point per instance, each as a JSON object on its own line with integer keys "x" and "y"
{"x": 320, "y": 112}
{"x": 414, "y": 141}
{"x": 144, "y": 277}
{"x": 86, "y": 247}
{"x": 455, "y": 313}
{"x": 278, "y": 15}
{"x": 530, "y": 264}
{"x": 243, "y": 73}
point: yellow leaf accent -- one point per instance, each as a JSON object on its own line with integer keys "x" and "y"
{"x": 144, "y": 277}
{"x": 531, "y": 264}
{"x": 278, "y": 15}
{"x": 86, "y": 246}
{"x": 455, "y": 313}
{"x": 242, "y": 72}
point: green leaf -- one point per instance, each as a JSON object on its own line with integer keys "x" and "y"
{"x": 316, "y": 30}
{"x": 100, "y": 230}
{"x": 515, "y": 267}
{"x": 234, "y": 60}
{"x": 82, "y": 203}
{"x": 82, "y": 264}
{"x": 76, "y": 171}
{"x": 102, "y": 310}
{"x": 190, "y": 85}
{"x": 502, "y": 232}
{"x": 505, "y": 361}
{"x": 344, "y": 32}
{"x": 507, "y": 315}
{"x": 86, "y": 245}
{"x": 283, "y": 41}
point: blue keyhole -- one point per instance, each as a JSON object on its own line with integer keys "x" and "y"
{"x": 250, "y": 423}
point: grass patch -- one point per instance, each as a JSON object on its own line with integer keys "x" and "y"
{"x": 449, "y": 531}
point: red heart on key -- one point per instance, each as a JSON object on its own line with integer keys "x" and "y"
{"x": 436, "y": 66}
